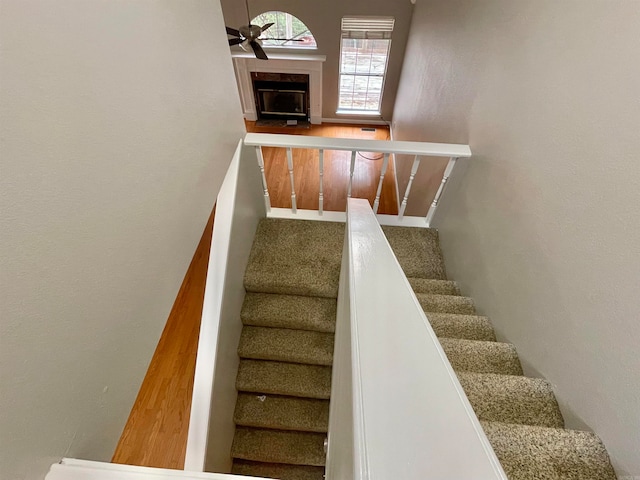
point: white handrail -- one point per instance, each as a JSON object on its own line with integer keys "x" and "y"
{"x": 405, "y": 414}
{"x": 360, "y": 145}
{"x": 75, "y": 469}
{"x": 239, "y": 207}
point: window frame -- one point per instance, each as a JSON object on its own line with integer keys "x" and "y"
{"x": 290, "y": 45}
{"x": 364, "y": 28}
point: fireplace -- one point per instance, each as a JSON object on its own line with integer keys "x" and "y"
{"x": 245, "y": 65}
{"x": 282, "y": 96}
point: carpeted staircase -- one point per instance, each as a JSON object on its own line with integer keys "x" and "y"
{"x": 286, "y": 348}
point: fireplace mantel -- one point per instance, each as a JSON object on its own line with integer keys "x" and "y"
{"x": 245, "y": 63}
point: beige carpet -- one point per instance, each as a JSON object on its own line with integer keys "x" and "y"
{"x": 286, "y": 349}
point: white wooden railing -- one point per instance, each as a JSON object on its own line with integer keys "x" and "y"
{"x": 239, "y": 208}
{"x": 419, "y": 151}
{"x": 397, "y": 410}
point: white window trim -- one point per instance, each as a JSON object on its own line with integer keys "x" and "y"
{"x": 365, "y": 27}
{"x": 291, "y": 45}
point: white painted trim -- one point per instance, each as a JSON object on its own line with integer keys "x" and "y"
{"x": 340, "y": 452}
{"x": 305, "y": 57}
{"x": 239, "y": 206}
{"x": 197, "y": 437}
{"x": 448, "y": 171}
{"x": 358, "y": 113}
{"x": 354, "y": 121}
{"x": 311, "y": 65}
{"x": 412, "y": 419}
{"x": 395, "y": 167}
{"x": 328, "y": 216}
{"x": 394, "y": 220}
{"x": 75, "y": 469}
{"x": 308, "y": 215}
{"x": 362, "y": 145}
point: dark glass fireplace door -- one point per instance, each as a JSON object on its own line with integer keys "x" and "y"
{"x": 282, "y": 103}
{"x": 282, "y": 100}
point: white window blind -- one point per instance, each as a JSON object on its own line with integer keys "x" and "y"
{"x": 367, "y": 27}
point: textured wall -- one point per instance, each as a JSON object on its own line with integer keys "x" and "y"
{"x": 117, "y": 128}
{"x": 323, "y": 19}
{"x": 544, "y": 229}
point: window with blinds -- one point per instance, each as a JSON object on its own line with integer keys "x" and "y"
{"x": 364, "y": 54}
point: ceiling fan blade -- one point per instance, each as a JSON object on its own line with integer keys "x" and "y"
{"x": 235, "y": 41}
{"x": 232, "y": 31}
{"x": 264, "y": 27}
{"x": 259, "y": 51}
{"x": 284, "y": 39}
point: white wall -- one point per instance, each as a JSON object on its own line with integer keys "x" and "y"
{"x": 119, "y": 120}
{"x": 544, "y": 230}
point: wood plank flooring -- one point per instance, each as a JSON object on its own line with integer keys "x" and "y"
{"x": 155, "y": 434}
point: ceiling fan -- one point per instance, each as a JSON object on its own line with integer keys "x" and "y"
{"x": 249, "y": 36}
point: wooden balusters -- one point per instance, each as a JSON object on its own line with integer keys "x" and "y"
{"x": 385, "y": 163}
{"x": 321, "y": 198}
{"x": 294, "y": 208}
{"x": 267, "y": 200}
{"x": 414, "y": 169}
{"x": 443, "y": 183}
{"x": 351, "y": 168}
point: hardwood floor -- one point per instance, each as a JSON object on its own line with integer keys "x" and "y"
{"x": 336, "y": 170}
{"x": 155, "y": 434}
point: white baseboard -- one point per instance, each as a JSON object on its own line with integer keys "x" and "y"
{"x": 326, "y": 216}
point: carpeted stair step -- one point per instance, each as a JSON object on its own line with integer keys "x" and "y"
{"x": 275, "y": 446}
{"x": 430, "y": 285}
{"x": 286, "y": 345}
{"x": 512, "y": 399}
{"x": 540, "y": 453}
{"x": 446, "y": 303}
{"x": 278, "y": 378}
{"x": 453, "y": 325}
{"x": 481, "y": 357}
{"x": 282, "y": 413}
{"x": 417, "y": 251}
{"x": 277, "y": 470}
{"x": 295, "y": 257}
{"x": 289, "y": 311}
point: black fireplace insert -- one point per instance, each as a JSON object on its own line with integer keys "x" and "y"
{"x": 281, "y": 96}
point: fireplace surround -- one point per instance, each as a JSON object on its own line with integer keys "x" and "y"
{"x": 310, "y": 65}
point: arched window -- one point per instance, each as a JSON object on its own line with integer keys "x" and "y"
{"x": 287, "y": 31}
